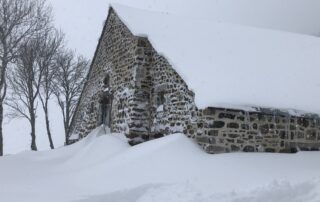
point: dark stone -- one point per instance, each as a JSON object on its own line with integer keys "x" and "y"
{"x": 230, "y": 140}
{"x": 270, "y": 150}
{"x": 233, "y": 125}
{"x": 202, "y": 139}
{"x": 282, "y": 134}
{"x": 271, "y": 126}
{"x": 217, "y": 124}
{"x": 292, "y": 127}
{"x": 311, "y": 135}
{"x": 289, "y": 150}
{"x": 213, "y": 149}
{"x": 212, "y": 140}
{"x": 226, "y": 115}
{"x": 245, "y": 126}
{"x": 264, "y": 129}
{"x": 248, "y": 148}
{"x": 235, "y": 148}
{"x": 293, "y": 150}
{"x": 213, "y": 132}
{"x": 292, "y": 135}
{"x": 255, "y": 126}
{"x": 240, "y": 141}
{"x": 280, "y": 127}
{"x": 300, "y": 135}
{"x": 200, "y": 125}
{"x": 303, "y": 122}
{"x": 135, "y": 141}
{"x": 233, "y": 135}
{"x": 158, "y": 135}
{"x": 209, "y": 111}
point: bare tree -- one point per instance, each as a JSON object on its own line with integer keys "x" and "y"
{"x": 49, "y": 47}
{"x": 25, "y": 79}
{"x": 18, "y": 20}
{"x": 69, "y": 82}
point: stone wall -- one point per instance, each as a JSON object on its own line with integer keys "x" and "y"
{"x": 151, "y": 100}
{"x": 228, "y": 130}
{"x": 117, "y": 57}
{"x": 138, "y": 77}
{"x": 171, "y": 100}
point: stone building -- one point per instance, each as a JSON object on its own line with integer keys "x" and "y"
{"x": 134, "y": 88}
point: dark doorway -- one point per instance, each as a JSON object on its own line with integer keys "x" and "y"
{"x": 105, "y": 107}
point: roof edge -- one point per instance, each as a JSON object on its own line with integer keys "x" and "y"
{"x": 110, "y": 10}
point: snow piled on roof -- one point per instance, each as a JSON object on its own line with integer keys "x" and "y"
{"x": 233, "y": 64}
{"x": 103, "y": 167}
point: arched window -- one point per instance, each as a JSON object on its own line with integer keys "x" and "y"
{"x": 105, "y": 110}
{"x": 92, "y": 107}
{"x": 160, "y": 98}
{"x": 106, "y": 81}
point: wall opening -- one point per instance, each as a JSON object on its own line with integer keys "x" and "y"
{"x": 160, "y": 98}
{"x": 106, "y": 81}
{"x": 105, "y": 110}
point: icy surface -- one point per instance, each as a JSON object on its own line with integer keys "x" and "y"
{"x": 104, "y": 168}
{"x": 233, "y": 64}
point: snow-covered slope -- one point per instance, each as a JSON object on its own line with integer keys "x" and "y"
{"x": 103, "y": 168}
{"x": 233, "y": 64}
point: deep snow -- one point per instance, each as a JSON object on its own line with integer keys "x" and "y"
{"x": 103, "y": 167}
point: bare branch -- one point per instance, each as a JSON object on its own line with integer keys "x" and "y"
{"x": 70, "y": 78}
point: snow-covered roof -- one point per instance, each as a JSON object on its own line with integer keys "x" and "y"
{"x": 234, "y": 65}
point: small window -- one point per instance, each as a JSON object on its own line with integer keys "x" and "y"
{"x": 120, "y": 105}
{"x": 160, "y": 98}
{"x": 91, "y": 107}
{"x": 106, "y": 81}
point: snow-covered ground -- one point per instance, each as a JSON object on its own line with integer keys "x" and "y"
{"x": 103, "y": 168}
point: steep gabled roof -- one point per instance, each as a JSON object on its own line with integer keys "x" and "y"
{"x": 227, "y": 64}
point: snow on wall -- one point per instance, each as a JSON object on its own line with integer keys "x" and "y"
{"x": 233, "y": 64}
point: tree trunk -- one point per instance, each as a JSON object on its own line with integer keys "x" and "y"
{"x": 1, "y": 135}
{"x": 3, "y": 94}
{"x": 48, "y": 126}
{"x": 66, "y": 133}
{"x": 33, "y": 131}
{"x": 67, "y": 121}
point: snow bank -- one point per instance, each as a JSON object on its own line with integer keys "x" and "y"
{"x": 103, "y": 167}
{"x": 233, "y": 64}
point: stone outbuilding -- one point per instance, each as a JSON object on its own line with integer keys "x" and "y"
{"x": 228, "y": 87}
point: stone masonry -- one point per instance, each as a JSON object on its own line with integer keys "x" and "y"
{"x": 134, "y": 90}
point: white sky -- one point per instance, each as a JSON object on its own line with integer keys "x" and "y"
{"x": 82, "y": 20}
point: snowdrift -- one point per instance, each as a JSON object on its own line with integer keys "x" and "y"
{"x": 103, "y": 167}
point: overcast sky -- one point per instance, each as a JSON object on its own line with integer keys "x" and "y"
{"x": 82, "y": 20}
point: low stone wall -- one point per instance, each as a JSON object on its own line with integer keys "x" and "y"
{"x": 226, "y": 130}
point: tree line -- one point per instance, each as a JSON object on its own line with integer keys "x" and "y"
{"x": 36, "y": 66}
